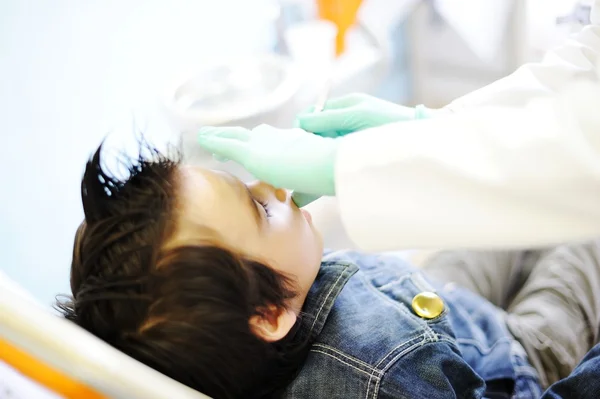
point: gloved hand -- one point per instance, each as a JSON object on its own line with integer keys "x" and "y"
{"x": 302, "y": 199}
{"x": 286, "y": 158}
{"x": 355, "y": 112}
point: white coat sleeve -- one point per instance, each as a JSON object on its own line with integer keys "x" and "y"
{"x": 517, "y": 164}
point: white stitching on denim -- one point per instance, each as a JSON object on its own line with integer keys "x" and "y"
{"x": 446, "y": 338}
{"x": 376, "y": 389}
{"x": 438, "y": 338}
{"x": 355, "y": 360}
{"x": 346, "y": 363}
{"x": 431, "y": 334}
{"x": 423, "y": 337}
{"x": 406, "y": 350}
{"x": 369, "y": 387}
{"x": 324, "y": 301}
{"x": 424, "y": 334}
{"x": 399, "y": 355}
{"x": 428, "y": 333}
{"x": 398, "y": 305}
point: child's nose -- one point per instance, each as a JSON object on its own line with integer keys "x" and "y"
{"x": 281, "y": 195}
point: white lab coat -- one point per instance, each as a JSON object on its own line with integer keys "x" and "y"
{"x": 514, "y": 164}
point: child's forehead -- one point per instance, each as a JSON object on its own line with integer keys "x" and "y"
{"x": 206, "y": 183}
{"x": 202, "y": 182}
{"x": 213, "y": 199}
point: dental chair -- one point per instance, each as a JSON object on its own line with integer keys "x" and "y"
{"x": 43, "y": 356}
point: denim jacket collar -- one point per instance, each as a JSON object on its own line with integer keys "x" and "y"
{"x": 330, "y": 281}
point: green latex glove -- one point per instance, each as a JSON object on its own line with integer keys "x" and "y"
{"x": 355, "y": 112}
{"x": 302, "y": 199}
{"x": 285, "y": 158}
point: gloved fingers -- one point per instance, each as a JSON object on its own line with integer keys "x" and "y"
{"x": 325, "y": 121}
{"x": 229, "y": 132}
{"x": 224, "y": 148}
{"x": 332, "y": 133}
{"x": 302, "y": 199}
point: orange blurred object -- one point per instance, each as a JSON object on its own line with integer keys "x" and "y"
{"x": 343, "y": 14}
{"x": 45, "y": 375}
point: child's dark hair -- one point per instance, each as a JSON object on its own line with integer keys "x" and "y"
{"x": 183, "y": 311}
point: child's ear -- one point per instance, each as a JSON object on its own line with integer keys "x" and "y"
{"x": 273, "y": 324}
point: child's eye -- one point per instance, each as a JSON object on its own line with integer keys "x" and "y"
{"x": 265, "y": 205}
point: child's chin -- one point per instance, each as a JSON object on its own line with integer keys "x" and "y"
{"x": 306, "y": 215}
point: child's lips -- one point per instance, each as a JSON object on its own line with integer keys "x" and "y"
{"x": 307, "y": 215}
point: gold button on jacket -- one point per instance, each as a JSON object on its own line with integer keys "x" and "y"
{"x": 428, "y": 305}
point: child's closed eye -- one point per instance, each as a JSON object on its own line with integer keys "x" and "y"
{"x": 265, "y": 206}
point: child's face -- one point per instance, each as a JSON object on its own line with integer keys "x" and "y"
{"x": 256, "y": 220}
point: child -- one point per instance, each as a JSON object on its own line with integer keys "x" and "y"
{"x": 223, "y": 287}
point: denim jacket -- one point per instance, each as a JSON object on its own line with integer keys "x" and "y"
{"x": 368, "y": 342}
